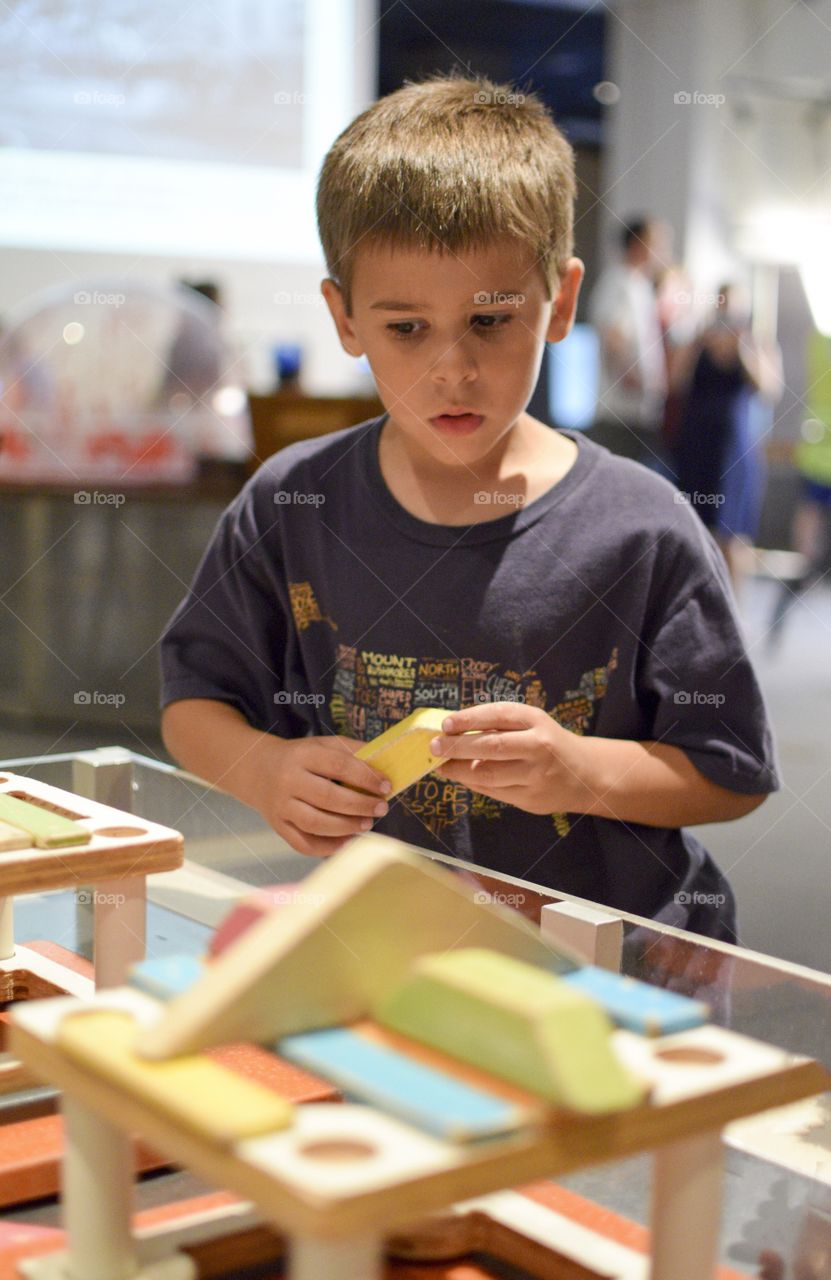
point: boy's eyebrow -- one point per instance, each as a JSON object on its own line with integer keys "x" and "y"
{"x": 395, "y": 304}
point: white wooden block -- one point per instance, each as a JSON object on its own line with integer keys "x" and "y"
{"x": 686, "y": 1208}
{"x": 594, "y": 935}
{"x": 696, "y": 1062}
{"x": 43, "y": 1017}
{"x": 356, "y": 1259}
{"x": 385, "y": 1152}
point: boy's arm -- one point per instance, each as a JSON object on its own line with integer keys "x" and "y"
{"x": 651, "y": 783}
{"x": 216, "y": 742}
{"x": 294, "y": 783}
{"x": 525, "y": 758}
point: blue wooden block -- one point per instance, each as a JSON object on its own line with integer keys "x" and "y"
{"x": 638, "y": 1006}
{"x": 166, "y": 976}
{"x": 388, "y": 1079}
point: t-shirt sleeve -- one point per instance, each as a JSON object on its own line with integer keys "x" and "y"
{"x": 696, "y": 679}
{"x": 230, "y": 639}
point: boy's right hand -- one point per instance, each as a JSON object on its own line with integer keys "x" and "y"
{"x": 301, "y": 796}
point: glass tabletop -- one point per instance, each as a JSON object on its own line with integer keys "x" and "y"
{"x": 778, "y": 1166}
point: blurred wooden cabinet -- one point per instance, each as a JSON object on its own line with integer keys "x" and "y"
{"x": 278, "y": 420}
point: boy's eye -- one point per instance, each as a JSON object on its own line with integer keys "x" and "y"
{"x": 486, "y": 324}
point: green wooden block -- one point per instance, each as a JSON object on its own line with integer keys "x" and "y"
{"x": 518, "y": 1022}
{"x": 47, "y": 830}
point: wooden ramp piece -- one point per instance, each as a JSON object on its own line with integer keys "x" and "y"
{"x": 364, "y": 917}
{"x": 47, "y": 830}
{"x": 402, "y": 753}
{"x": 523, "y": 1024}
{"x": 214, "y": 1102}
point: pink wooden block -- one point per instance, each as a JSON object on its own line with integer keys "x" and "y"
{"x": 249, "y": 911}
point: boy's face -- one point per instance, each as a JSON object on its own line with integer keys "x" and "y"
{"x": 452, "y": 332}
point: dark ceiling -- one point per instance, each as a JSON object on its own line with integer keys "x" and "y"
{"x": 555, "y": 49}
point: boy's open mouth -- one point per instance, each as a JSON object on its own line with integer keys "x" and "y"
{"x": 458, "y": 423}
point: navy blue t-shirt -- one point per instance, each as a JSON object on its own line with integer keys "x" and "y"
{"x": 322, "y": 606}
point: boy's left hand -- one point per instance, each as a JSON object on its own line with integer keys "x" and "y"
{"x": 522, "y": 757}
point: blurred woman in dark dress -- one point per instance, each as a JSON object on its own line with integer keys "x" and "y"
{"x": 719, "y": 462}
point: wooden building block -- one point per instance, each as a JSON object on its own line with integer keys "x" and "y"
{"x": 249, "y": 911}
{"x": 402, "y": 753}
{"x": 268, "y": 985}
{"x": 390, "y": 1080}
{"x": 166, "y": 976}
{"x": 47, "y": 830}
{"x": 213, "y": 1102}
{"x": 638, "y": 1006}
{"x": 523, "y": 1024}
{"x": 595, "y": 935}
{"x": 13, "y": 838}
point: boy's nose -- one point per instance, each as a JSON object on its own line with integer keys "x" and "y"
{"x": 456, "y": 364}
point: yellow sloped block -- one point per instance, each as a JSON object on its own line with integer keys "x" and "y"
{"x": 214, "y": 1102}
{"x": 402, "y": 753}
{"x": 518, "y": 1022}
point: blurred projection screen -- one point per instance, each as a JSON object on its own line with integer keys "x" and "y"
{"x": 146, "y": 128}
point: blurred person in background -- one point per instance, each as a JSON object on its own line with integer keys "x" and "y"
{"x": 719, "y": 461}
{"x": 633, "y": 375}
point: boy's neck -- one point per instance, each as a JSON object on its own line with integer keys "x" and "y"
{"x": 524, "y": 464}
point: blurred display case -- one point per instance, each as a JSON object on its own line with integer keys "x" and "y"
{"x": 778, "y": 1181}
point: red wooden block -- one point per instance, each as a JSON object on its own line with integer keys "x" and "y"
{"x": 249, "y": 911}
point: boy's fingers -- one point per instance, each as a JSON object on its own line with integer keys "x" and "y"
{"x": 483, "y": 746}
{"x": 324, "y": 794}
{"x": 317, "y": 822}
{"x": 490, "y": 715}
{"x": 341, "y": 766}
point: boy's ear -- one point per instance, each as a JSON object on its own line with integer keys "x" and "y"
{"x": 333, "y": 294}
{"x": 565, "y": 301}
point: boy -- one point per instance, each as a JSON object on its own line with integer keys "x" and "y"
{"x": 457, "y": 553}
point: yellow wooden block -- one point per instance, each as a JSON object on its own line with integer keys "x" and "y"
{"x": 402, "y": 753}
{"x": 214, "y": 1102}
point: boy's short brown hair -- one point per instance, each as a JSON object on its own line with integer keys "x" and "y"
{"x": 448, "y": 164}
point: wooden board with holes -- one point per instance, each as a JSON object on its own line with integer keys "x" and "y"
{"x": 120, "y": 846}
{"x": 700, "y": 1080}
